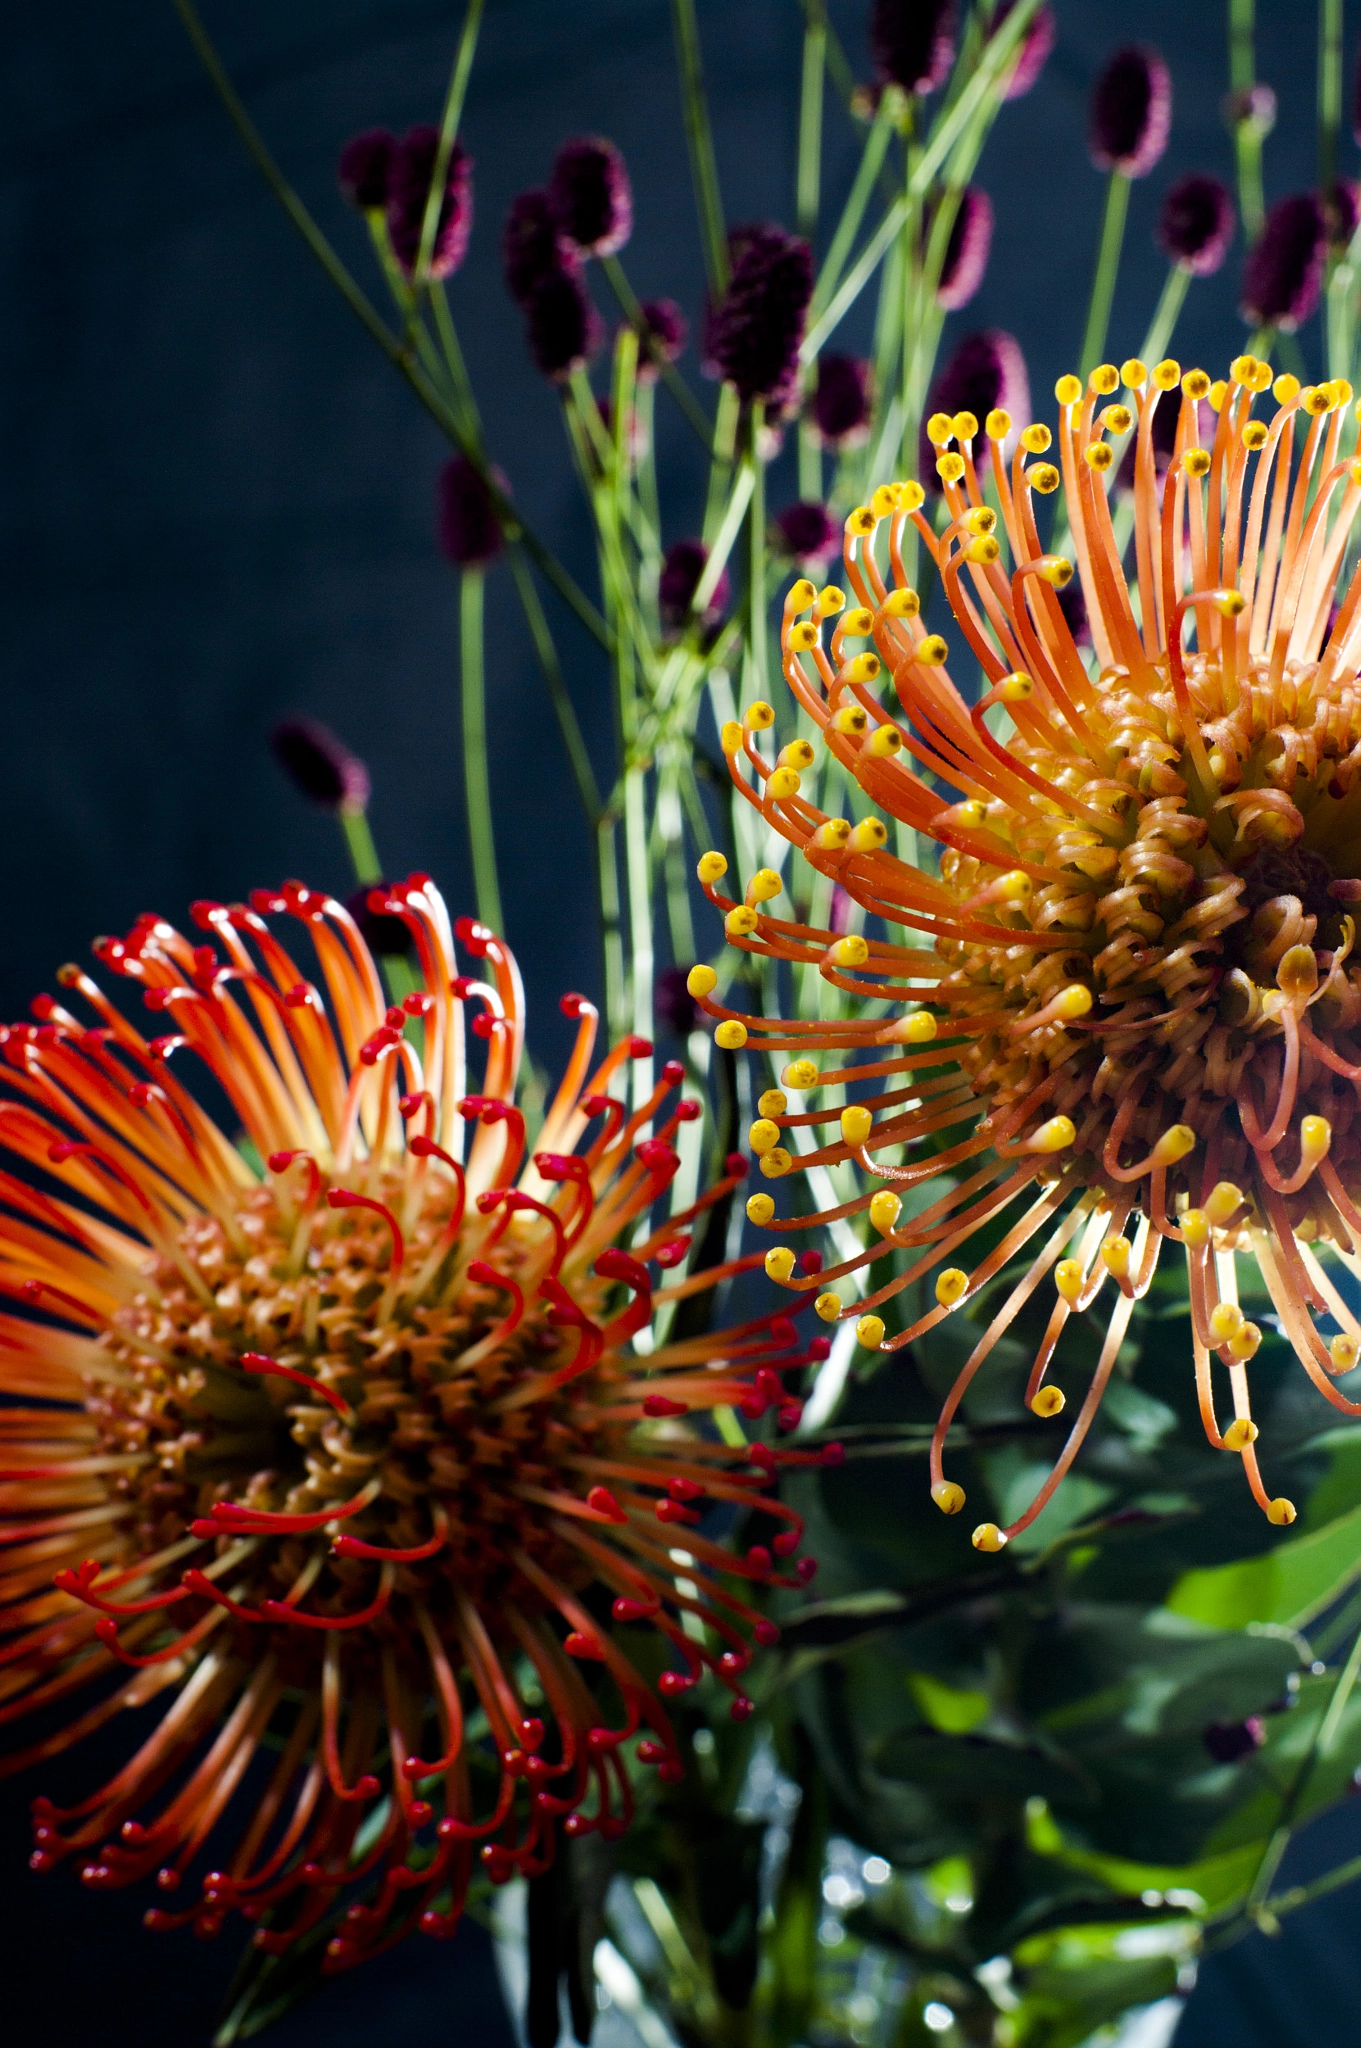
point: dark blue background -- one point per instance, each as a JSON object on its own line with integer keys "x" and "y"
{"x": 216, "y": 504}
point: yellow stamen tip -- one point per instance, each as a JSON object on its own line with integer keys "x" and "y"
{"x": 1115, "y": 1255}
{"x": 885, "y": 1209}
{"x": 760, "y": 1209}
{"x": 861, "y": 523}
{"x": 827, "y": 1307}
{"x": 731, "y": 1036}
{"x": 800, "y": 595}
{"x": 869, "y": 835}
{"x": 1195, "y": 1229}
{"x": 1118, "y": 419}
{"x": 1316, "y": 1135}
{"x": 950, "y": 468}
{"x": 1068, "y": 1278}
{"x": 982, "y": 519}
{"x": 1048, "y": 1401}
{"x": 1014, "y": 887}
{"x": 1133, "y": 373}
{"x": 764, "y": 1135}
{"x": 1222, "y": 1202}
{"x": 1240, "y": 1434}
{"x": 921, "y": 1028}
{"x": 1285, "y": 389}
{"x": 856, "y": 624}
{"x": 1226, "y": 1320}
{"x": 1196, "y": 462}
{"x": 902, "y": 604}
{"x": 1196, "y": 385}
{"x": 832, "y": 834}
{"x": 1243, "y": 370}
{"x": 1246, "y": 1343}
{"x": 741, "y": 923}
{"x": 852, "y": 951}
{"x": 984, "y": 550}
{"x": 940, "y": 430}
{"x": 850, "y": 718}
{"x": 782, "y": 784}
{"x": 1072, "y": 1002}
{"x": 758, "y": 717}
{"x": 701, "y": 981}
{"x": 965, "y": 425}
{"x": 987, "y": 1536}
{"x": 1036, "y": 438}
{"x": 803, "y": 637}
{"x": 773, "y": 1103}
{"x": 948, "y": 1497}
{"x": 1105, "y": 379}
{"x": 856, "y": 1124}
{"x": 1016, "y": 688}
{"x": 884, "y": 742}
{"x": 869, "y": 1331}
{"x": 1043, "y": 478}
{"x": 863, "y": 669}
{"x": 1057, "y": 570}
{"x": 801, "y": 1074}
{"x": 1255, "y": 436}
{"x": 997, "y": 425}
{"x": 1343, "y": 1352}
{"x": 1167, "y": 373}
{"x": 1174, "y": 1144}
{"x": 1068, "y": 390}
{"x": 884, "y": 503}
{"x": 1098, "y": 455}
{"x": 775, "y": 1164}
{"x": 1055, "y": 1136}
{"x": 951, "y": 1286}
{"x": 764, "y": 884}
{"x": 1297, "y": 971}
{"x": 779, "y": 1262}
{"x": 933, "y": 650}
{"x": 1229, "y": 603}
{"x": 1282, "y": 1512}
{"x": 1219, "y": 391}
{"x": 911, "y": 496}
{"x": 731, "y": 736}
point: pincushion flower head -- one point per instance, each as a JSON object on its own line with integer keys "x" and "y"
{"x": 347, "y": 1455}
{"x": 1119, "y": 1015}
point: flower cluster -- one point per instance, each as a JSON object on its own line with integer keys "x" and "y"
{"x": 348, "y": 1454}
{"x": 1121, "y": 1013}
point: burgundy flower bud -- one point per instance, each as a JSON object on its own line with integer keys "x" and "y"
{"x": 966, "y": 252}
{"x": 842, "y": 400}
{"x": 1073, "y": 605}
{"x": 1131, "y": 112}
{"x": 1036, "y": 44}
{"x": 986, "y": 370}
{"x": 682, "y": 568}
{"x": 589, "y": 196}
{"x": 913, "y": 42}
{"x": 413, "y": 166}
{"x": 1341, "y": 211}
{"x": 662, "y": 336}
{"x": 562, "y": 326}
{"x": 386, "y": 936}
{"x": 808, "y": 533}
{"x": 1163, "y": 437}
{"x": 1229, "y": 1741}
{"x": 755, "y": 330}
{"x": 672, "y": 1003}
{"x": 1256, "y": 104}
{"x": 530, "y": 246}
{"x": 469, "y": 531}
{"x": 320, "y": 766}
{"x": 1196, "y": 223}
{"x": 364, "y": 168}
{"x": 1284, "y": 270}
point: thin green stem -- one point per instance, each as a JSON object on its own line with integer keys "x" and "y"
{"x": 808, "y": 185}
{"x": 1107, "y": 266}
{"x": 670, "y": 375}
{"x": 700, "y": 141}
{"x": 853, "y": 212}
{"x": 547, "y": 655}
{"x": 1165, "y": 316}
{"x": 1247, "y": 135}
{"x": 396, "y": 350}
{"x": 725, "y": 443}
{"x": 1320, "y": 1745}
{"x": 476, "y": 780}
{"x": 354, "y": 823}
{"x": 756, "y": 677}
{"x": 448, "y": 129}
{"x": 1329, "y": 93}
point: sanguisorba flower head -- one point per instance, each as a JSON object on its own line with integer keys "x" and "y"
{"x": 333, "y": 1450}
{"x": 1122, "y": 1004}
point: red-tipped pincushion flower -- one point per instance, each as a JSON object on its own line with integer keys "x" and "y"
{"x": 336, "y": 1454}
{"x": 1120, "y": 1012}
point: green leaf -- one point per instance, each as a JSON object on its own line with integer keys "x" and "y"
{"x": 946, "y": 1707}
{"x": 1287, "y": 1586}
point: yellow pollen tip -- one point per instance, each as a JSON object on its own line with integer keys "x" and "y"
{"x": 800, "y": 595}
{"x": 1072, "y": 1002}
{"x": 1133, "y": 373}
{"x": 933, "y": 650}
{"x": 1048, "y": 1401}
{"x": 911, "y": 496}
{"x": 884, "y": 741}
{"x": 801, "y": 1074}
{"x": 760, "y": 1208}
{"x": 1262, "y": 378}
{"x": 731, "y": 1035}
{"x": 885, "y": 1209}
{"x": 902, "y": 604}
{"x": 1282, "y": 1512}
{"x": 1317, "y": 400}
{"x": 1118, "y": 419}
{"x": 851, "y": 718}
{"x": 1254, "y": 436}
{"x": 1036, "y": 438}
{"x": 859, "y": 622}
{"x": 869, "y": 835}
{"x": 832, "y": 834}
{"x": 802, "y": 637}
{"x": 1105, "y": 379}
{"x": 1098, "y": 455}
{"x": 1222, "y": 1202}
{"x": 861, "y": 522}
{"x": 1068, "y": 1277}
{"x": 856, "y": 1124}
{"x": 783, "y": 784}
{"x": 950, "y": 467}
{"x": 1229, "y": 603}
{"x": 741, "y": 923}
{"x": 1167, "y": 373}
{"x": 1057, "y": 570}
{"x": 1174, "y": 1144}
{"x": 798, "y": 754}
{"x": 1285, "y": 389}
{"x": 1226, "y": 1320}
{"x": 1342, "y": 392}
{"x": 971, "y": 812}
{"x": 863, "y": 669}
{"x": 827, "y": 1307}
{"x": 1297, "y": 971}
{"x": 764, "y": 884}
{"x": 763, "y": 1136}
{"x": 940, "y": 430}
{"x": 1243, "y": 370}
{"x": 982, "y": 519}
{"x": 951, "y": 1286}
{"x": 731, "y": 736}
{"x": 987, "y": 1536}
{"x": 985, "y": 549}
{"x": 1015, "y": 887}
{"x": 1196, "y": 462}
{"x": 1343, "y": 1353}
{"x": 1240, "y": 1434}
{"x": 965, "y": 425}
{"x": 1043, "y": 478}
{"x": 1196, "y": 385}
{"x": 773, "y": 1103}
{"x": 758, "y": 717}
{"x": 852, "y": 951}
{"x": 701, "y": 981}
{"x": 1195, "y": 1229}
{"x": 1115, "y": 1256}
{"x": 779, "y": 1262}
{"x": 884, "y": 503}
{"x": 775, "y": 1164}
{"x": 948, "y": 1497}
{"x": 1016, "y": 688}
{"x": 1055, "y": 1136}
{"x": 869, "y": 1331}
{"x": 1245, "y": 1344}
{"x": 997, "y": 425}
{"x": 1068, "y": 390}
{"x": 1316, "y": 1135}
{"x": 921, "y": 1028}
{"x": 1219, "y": 391}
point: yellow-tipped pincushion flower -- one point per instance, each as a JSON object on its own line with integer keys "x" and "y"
{"x": 354, "y": 1454}
{"x": 1125, "y": 989}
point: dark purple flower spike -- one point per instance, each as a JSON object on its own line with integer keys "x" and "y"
{"x": 590, "y": 197}
{"x": 562, "y": 326}
{"x": 1130, "y": 115}
{"x": 662, "y": 336}
{"x": 672, "y": 1003}
{"x": 412, "y": 168}
{"x": 530, "y": 249}
{"x": 966, "y": 252}
{"x": 986, "y": 371}
{"x": 1196, "y": 224}
{"x": 913, "y": 42}
{"x": 807, "y": 533}
{"x": 842, "y": 401}
{"x": 1284, "y": 270}
{"x": 1036, "y": 43}
{"x": 469, "y": 531}
{"x": 320, "y": 766}
{"x": 682, "y": 568}
{"x": 365, "y": 167}
{"x": 756, "y": 328}
{"x": 386, "y": 936}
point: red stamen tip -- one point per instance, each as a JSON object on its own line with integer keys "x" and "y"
{"x": 684, "y": 1489}
{"x": 658, "y": 1404}
{"x": 806, "y": 1569}
{"x": 604, "y": 1503}
{"x": 742, "y": 1708}
{"x": 578, "y": 1645}
{"x": 766, "y": 1633}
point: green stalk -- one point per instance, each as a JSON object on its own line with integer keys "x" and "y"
{"x": 354, "y": 823}
{"x": 670, "y": 375}
{"x": 1329, "y": 92}
{"x": 1165, "y": 316}
{"x": 808, "y": 187}
{"x": 1246, "y": 136}
{"x": 394, "y": 348}
{"x": 725, "y": 444}
{"x": 476, "y": 780}
{"x": 1107, "y": 265}
{"x": 448, "y": 129}
{"x": 547, "y": 656}
{"x": 755, "y": 678}
{"x": 700, "y": 141}
{"x": 853, "y": 213}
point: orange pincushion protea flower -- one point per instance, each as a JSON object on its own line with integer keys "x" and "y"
{"x": 1142, "y": 1018}
{"x": 349, "y": 1452}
